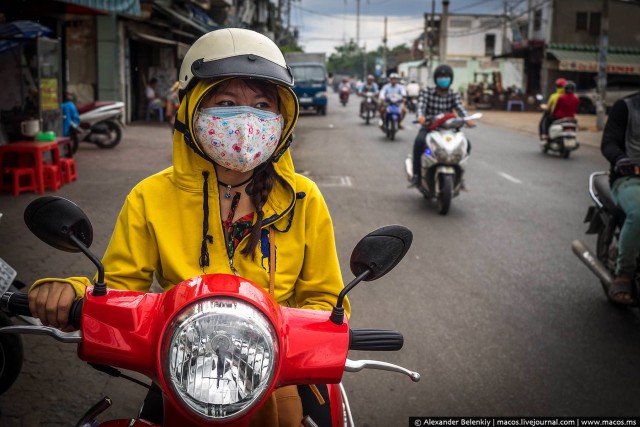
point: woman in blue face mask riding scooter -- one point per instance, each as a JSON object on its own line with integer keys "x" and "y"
{"x": 433, "y": 101}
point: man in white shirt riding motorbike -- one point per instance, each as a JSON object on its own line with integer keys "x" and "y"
{"x": 392, "y": 88}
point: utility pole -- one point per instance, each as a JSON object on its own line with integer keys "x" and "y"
{"x": 364, "y": 62}
{"x": 384, "y": 49}
{"x": 443, "y": 31}
{"x": 289, "y": 15}
{"x": 504, "y": 29}
{"x": 602, "y": 65}
{"x": 358, "y": 23}
{"x": 429, "y": 23}
{"x": 278, "y": 22}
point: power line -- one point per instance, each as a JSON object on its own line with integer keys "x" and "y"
{"x": 348, "y": 18}
{"x": 366, "y": 38}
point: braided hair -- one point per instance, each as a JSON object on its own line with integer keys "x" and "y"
{"x": 259, "y": 190}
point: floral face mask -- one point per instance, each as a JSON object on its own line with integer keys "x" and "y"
{"x": 238, "y": 138}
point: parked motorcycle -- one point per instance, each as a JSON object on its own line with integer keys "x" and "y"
{"x": 11, "y": 350}
{"x": 391, "y": 121}
{"x": 562, "y": 137}
{"x": 101, "y": 123}
{"x": 344, "y": 96}
{"x": 443, "y": 160}
{"x": 369, "y": 107}
{"x": 605, "y": 219}
{"x": 216, "y": 344}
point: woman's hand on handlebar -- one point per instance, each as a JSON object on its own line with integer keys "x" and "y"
{"x": 421, "y": 120}
{"x": 470, "y": 123}
{"x": 51, "y": 302}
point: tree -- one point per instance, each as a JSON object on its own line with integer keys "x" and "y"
{"x": 348, "y": 59}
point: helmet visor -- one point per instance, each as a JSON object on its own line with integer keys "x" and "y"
{"x": 242, "y": 66}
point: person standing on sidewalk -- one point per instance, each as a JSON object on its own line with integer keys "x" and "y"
{"x": 621, "y": 146}
{"x": 231, "y": 203}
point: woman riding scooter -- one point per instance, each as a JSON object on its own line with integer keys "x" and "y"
{"x": 231, "y": 203}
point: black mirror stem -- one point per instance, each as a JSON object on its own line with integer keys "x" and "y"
{"x": 100, "y": 288}
{"x": 337, "y": 314}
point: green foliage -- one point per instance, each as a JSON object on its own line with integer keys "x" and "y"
{"x": 291, "y": 48}
{"x": 349, "y": 60}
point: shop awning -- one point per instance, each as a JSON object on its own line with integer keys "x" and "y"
{"x": 585, "y": 59}
{"x": 182, "y": 48}
{"x": 130, "y": 7}
{"x": 152, "y": 39}
{"x": 184, "y": 19}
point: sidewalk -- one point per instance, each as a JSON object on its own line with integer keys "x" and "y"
{"x": 527, "y": 122}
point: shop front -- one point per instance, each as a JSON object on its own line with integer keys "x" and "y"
{"x": 31, "y": 77}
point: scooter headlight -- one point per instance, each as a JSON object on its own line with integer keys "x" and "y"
{"x": 219, "y": 358}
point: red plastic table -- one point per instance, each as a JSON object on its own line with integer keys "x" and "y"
{"x": 38, "y": 150}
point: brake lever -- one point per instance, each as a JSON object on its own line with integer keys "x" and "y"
{"x": 74, "y": 337}
{"x": 358, "y": 365}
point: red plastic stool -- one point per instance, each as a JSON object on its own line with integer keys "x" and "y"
{"x": 17, "y": 174}
{"x": 68, "y": 166}
{"x": 52, "y": 177}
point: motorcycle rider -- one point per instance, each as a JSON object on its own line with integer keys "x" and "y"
{"x": 344, "y": 89}
{"x": 564, "y": 107}
{"x": 431, "y": 102}
{"x": 231, "y": 203}
{"x": 621, "y": 147}
{"x": 550, "y": 105}
{"x": 392, "y": 88}
{"x": 368, "y": 86}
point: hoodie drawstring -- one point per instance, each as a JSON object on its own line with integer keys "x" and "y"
{"x": 204, "y": 252}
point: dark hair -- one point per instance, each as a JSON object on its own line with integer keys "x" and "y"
{"x": 153, "y": 80}
{"x": 261, "y": 186}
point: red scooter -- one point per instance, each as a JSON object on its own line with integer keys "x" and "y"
{"x": 217, "y": 344}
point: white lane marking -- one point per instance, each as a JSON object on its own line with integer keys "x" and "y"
{"x": 509, "y": 178}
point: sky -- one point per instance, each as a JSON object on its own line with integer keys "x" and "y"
{"x": 324, "y": 24}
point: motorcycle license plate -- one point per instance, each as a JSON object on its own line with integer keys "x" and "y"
{"x": 7, "y": 274}
{"x": 569, "y": 143}
{"x": 305, "y": 100}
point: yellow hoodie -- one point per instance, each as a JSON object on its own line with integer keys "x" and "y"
{"x": 160, "y": 228}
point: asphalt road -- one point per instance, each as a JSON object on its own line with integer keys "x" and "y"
{"x": 498, "y": 315}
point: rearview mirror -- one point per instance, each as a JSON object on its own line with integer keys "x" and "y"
{"x": 380, "y": 251}
{"x": 55, "y": 220}
{"x": 374, "y": 256}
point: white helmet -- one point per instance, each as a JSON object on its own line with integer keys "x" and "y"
{"x": 233, "y": 52}
{"x": 394, "y": 76}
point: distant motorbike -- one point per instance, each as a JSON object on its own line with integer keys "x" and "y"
{"x": 101, "y": 123}
{"x": 391, "y": 121}
{"x": 443, "y": 160}
{"x": 562, "y": 137}
{"x": 369, "y": 107}
{"x": 605, "y": 219}
{"x": 412, "y": 103}
{"x": 344, "y": 96}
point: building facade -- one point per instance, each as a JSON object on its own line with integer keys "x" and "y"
{"x": 110, "y": 49}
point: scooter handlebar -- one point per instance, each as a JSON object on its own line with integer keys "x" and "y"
{"x": 375, "y": 340}
{"x": 18, "y": 304}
